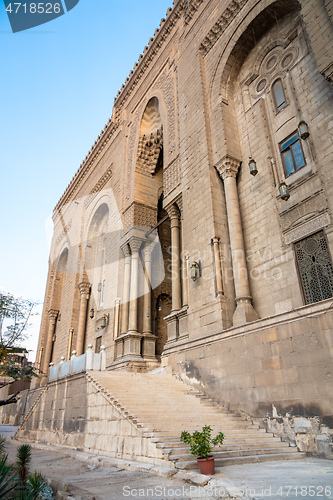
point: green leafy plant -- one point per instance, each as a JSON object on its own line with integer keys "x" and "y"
{"x": 2, "y": 446}
{"x": 16, "y": 484}
{"x": 23, "y": 459}
{"x": 8, "y": 480}
{"x": 35, "y": 489}
{"x": 201, "y": 442}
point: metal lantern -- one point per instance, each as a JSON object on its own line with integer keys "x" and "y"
{"x": 253, "y": 166}
{"x": 103, "y": 321}
{"x": 195, "y": 271}
{"x": 303, "y": 130}
{"x": 284, "y": 192}
{"x": 92, "y": 313}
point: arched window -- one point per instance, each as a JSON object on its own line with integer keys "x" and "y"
{"x": 279, "y": 97}
{"x": 315, "y": 267}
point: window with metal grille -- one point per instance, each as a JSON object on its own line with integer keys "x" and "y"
{"x": 315, "y": 267}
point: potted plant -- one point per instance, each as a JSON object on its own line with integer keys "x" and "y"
{"x": 201, "y": 445}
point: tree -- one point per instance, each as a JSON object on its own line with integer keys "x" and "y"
{"x": 15, "y": 314}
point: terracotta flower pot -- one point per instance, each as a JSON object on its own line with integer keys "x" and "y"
{"x": 206, "y": 465}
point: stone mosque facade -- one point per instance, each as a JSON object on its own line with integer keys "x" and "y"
{"x": 196, "y": 237}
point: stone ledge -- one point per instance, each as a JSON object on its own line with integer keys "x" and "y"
{"x": 254, "y": 327}
{"x": 104, "y": 461}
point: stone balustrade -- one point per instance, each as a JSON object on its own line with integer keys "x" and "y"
{"x": 78, "y": 364}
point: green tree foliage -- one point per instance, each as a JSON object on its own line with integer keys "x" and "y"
{"x": 15, "y": 314}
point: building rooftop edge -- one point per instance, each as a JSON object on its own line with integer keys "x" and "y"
{"x": 149, "y": 52}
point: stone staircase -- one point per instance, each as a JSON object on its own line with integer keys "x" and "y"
{"x": 162, "y": 407}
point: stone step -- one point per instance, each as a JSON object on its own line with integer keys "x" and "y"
{"x": 168, "y": 404}
{"x": 193, "y": 424}
{"x": 171, "y": 407}
{"x": 266, "y": 438}
{"x": 161, "y": 412}
{"x": 244, "y": 460}
{"x": 236, "y": 453}
{"x": 239, "y": 433}
{"x": 181, "y": 449}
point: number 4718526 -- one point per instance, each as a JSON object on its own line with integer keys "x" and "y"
{"x": 34, "y": 8}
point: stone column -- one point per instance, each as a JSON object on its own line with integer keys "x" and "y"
{"x": 70, "y": 343}
{"x": 147, "y": 291}
{"x": 186, "y": 272}
{"x": 149, "y": 340}
{"x": 116, "y": 318}
{"x": 135, "y": 244}
{"x": 175, "y": 258}
{"x": 216, "y": 248}
{"x": 126, "y": 293}
{"x": 244, "y": 312}
{"x": 53, "y": 315}
{"x": 84, "y": 291}
{"x": 131, "y": 341}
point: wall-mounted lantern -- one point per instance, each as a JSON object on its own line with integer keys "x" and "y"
{"x": 91, "y": 313}
{"x": 252, "y": 166}
{"x": 284, "y": 192}
{"x": 303, "y": 130}
{"x": 103, "y": 321}
{"x": 195, "y": 270}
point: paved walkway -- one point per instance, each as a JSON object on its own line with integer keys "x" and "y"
{"x": 292, "y": 479}
{"x": 79, "y": 476}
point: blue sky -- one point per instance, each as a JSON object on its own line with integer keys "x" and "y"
{"x": 57, "y": 85}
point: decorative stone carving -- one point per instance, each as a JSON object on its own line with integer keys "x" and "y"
{"x": 228, "y": 167}
{"x": 130, "y": 157}
{"x": 317, "y": 203}
{"x": 99, "y": 186}
{"x": 84, "y": 288}
{"x": 53, "y": 314}
{"x": 171, "y": 176}
{"x": 219, "y": 27}
{"x": 138, "y": 214}
{"x": 94, "y": 154}
{"x": 307, "y": 228}
{"x": 149, "y": 150}
{"x": 191, "y": 7}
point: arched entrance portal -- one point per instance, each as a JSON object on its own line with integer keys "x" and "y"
{"x": 146, "y": 313}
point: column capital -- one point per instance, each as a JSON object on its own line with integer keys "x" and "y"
{"x": 228, "y": 167}
{"x": 173, "y": 212}
{"x": 53, "y": 314}
{"x": 135, "y": 244}
{"x": 126, "y": 249}
{"x": 84, "y": 288}
{"x": 147, "y": 250}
